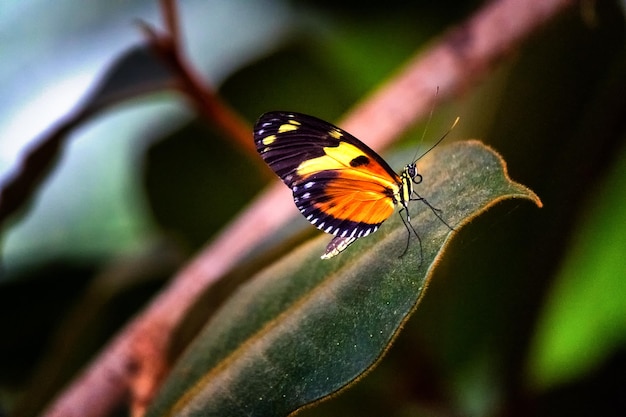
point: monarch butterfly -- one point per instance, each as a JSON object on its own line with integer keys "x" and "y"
{"x": 339, "y": 184}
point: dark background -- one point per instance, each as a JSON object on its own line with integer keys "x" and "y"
{"x": 526, "y": 314}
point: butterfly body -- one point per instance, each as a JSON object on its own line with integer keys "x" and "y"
{"x": 339, "y": 184}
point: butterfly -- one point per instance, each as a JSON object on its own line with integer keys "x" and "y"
{"x": 339, "y": 184}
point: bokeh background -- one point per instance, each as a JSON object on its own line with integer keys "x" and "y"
{"x": 526, "y": 315}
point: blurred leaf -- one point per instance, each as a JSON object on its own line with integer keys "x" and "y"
{"x": 136, "y": 72}
{"x": 304, "y": 328}
{"x": 184, "y": 177}
{"x": 584, "y": 319}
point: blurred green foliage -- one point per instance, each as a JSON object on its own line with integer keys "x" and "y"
{"x": 525, "y": 314}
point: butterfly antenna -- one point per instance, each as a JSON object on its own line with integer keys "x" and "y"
{"x": 439, "y": 140}
{"x": 430, "y": 117}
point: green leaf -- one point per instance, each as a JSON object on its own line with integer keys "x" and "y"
{"x": 304, "y": 328}
{"x": 584, "y": 319}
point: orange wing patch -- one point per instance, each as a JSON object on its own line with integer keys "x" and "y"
{"x": 356, "y": 200}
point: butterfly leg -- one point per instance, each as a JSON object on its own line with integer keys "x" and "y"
{"x": 409, "y": 228}
{"x": 437, "y": 212}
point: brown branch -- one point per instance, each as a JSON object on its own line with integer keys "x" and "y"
{"x": 205, "y": 100}
{"x": 454, "y": 63}
{"x": 172, "y": 22}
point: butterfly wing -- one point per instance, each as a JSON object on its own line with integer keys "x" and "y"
{"x": 339, "y": 184}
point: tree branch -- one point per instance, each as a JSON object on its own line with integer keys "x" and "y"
{"x": 206, "y": 101}
{"x": 454, "y": 63}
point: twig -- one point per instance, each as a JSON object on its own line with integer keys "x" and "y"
{"x": 453, "y": 64}
{"x": 206, "y": 101}
{"x": 172, "y": 22}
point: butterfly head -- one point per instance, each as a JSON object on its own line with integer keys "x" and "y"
{"x": 411, "y": 172}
